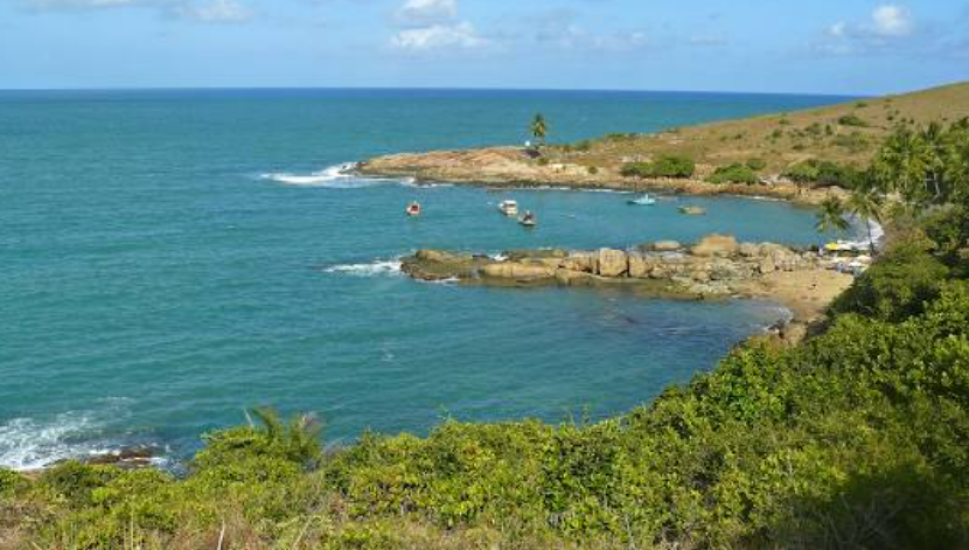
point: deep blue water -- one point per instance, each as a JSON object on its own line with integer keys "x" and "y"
{"x": 154, "y": 282}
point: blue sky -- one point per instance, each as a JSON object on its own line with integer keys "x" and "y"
{"x": 825, "y": 46}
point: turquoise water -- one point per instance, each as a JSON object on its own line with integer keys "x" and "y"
{"x": 158, "y": 275}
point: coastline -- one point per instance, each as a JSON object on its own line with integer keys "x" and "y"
{"x": 508, "y": 167}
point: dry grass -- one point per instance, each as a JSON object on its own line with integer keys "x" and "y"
{"x": 782, "y": 139}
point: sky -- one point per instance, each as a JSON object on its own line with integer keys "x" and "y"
{"x": 820, "y": 46}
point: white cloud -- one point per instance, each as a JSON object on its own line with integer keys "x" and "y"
{"x": 838, "y": 30}
{"x": 425, "y": 12}
{"x": 560, "y": 29}
{"x": 86, "y": 4}
{"x": 885, "y": 27}
{"x": 458, "y": 36}
{"x": 891, "y": 20}
{"x": 207, "y": 11}
{"x": 216, "y": 11}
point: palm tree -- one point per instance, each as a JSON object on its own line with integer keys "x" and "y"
{"x": 299, "y": 440}
{"x": 539, "y": 128}
{"x": 866, "y": 203}
{"x": 831, "y": 216}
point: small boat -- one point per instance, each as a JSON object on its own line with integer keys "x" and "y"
{"x": 693, "y": 210}
{"x": 413, "y": 209}
{"x": 528, "y": 220}
{"x": 645, "y": 200}
{"x": 508, "y": 207}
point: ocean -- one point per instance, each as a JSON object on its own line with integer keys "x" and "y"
{"x": 171, "y": 258}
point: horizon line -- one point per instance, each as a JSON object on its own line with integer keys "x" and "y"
{"x": 424, "y": 88}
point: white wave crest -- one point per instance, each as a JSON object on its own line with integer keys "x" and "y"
{"x": 313, "y": 179}
{"x": 860, "y": 241}
{"x": 374, "y": 268}
{"x": 27, "y": 444}
{"x": 340, "y": 176}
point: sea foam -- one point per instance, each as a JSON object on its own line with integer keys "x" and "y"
{"x": 28, "y": 444}
{"x": 371, "y": 269}
{"x": 340, "y": 176}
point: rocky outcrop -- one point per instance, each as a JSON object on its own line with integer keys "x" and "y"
{"x": 516, "y": 166}
{"x": 716, "y": 265}
{"x": 716, "y": 245}
{"x": 612, "y": 263}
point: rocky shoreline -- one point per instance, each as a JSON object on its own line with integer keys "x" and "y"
{"x": 513, "y": 167}
{"x": 718, "y": 266}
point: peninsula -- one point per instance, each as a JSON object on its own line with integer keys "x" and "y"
{"x": 804, "y": 156}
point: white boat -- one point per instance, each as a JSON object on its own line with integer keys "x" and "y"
{"x": 508, "y": 207}
{"x": 645, "y": 200}
{"x": 528, "y": 220}
{"x": 413, "y": 209}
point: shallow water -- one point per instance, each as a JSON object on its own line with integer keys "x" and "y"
{"x": 168, "y": 259}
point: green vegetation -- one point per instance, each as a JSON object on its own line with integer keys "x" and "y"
{"x": 670, "y": 166}
{"x": 817, "y": 173}
{"x": 852, "y": 120}
{"x": 734, "y": 173}
{"x": 857, "y": 438}
{"x": 756, "y": 164}
{"x": 925, "y": 165}
{"x": 831, "y": 216}
{"x": 813, "y": 133}
{"x": 855, "y": 142}
{"x": 539, "y": 128}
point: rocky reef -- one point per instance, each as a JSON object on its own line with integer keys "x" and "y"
{"x": 716, "y": 265}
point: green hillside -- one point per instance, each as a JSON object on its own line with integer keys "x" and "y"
{"x": 846, "y": 133}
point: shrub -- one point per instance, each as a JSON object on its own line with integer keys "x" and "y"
{"x": 855, "y": 142}
{"x": 756, "y": 164}
{"x": 10, "y": 483}
{"x": 897, "y": 287}
{"x": 593, "y": 170}
{"x": 734, "y": 173}
{"x": 852, "y": 120}
{"x": 674, "y": 167}
{"x": 663, "y": 167}
{"x": 823, "y": 174}
{"x": 543, "y": 161}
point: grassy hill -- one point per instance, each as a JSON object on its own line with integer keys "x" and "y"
{"x": 845, "y": 133}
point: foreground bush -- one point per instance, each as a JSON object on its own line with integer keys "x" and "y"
{"x": 859, "y": 437}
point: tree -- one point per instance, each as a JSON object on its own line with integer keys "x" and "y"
{"x": 298, "y": 441}
{"x": 866, "y": 203}
{"x": 831, "y": 216}
{"x": 539, "y": 128}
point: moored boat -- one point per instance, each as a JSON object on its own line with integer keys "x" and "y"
{"x": 645, "y": 200}
{"x": 413, "y": 209}
{"x": 528, "y": 220}
{"x": 508, "y": 207}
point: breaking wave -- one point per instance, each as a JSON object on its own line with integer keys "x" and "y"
{"x": 340, "y": 176}
{"x": 28, "y": 443}
{"x": 371, "y": 269}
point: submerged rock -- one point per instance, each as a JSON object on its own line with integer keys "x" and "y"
{"x": 716, "y": 245}
{"x": 665, "y": 246}
{"x": 693, "y": 210}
